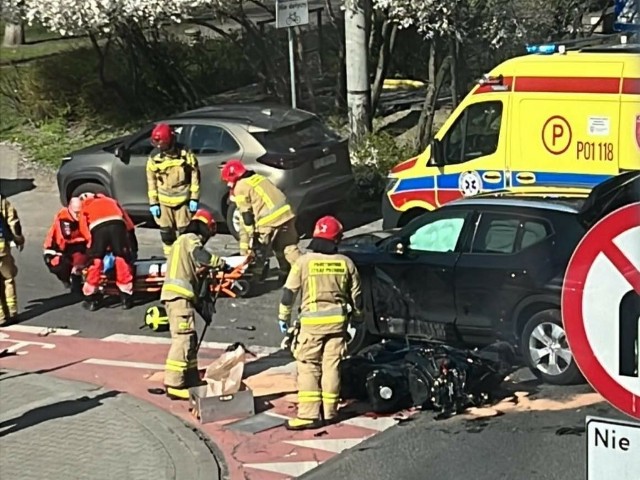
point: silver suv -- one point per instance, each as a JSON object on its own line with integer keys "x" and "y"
{"x": 293, "y": 148}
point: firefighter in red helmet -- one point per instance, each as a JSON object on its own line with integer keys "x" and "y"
{"x": 107, "y": 228}
{"x": 329, "y": 288}
{"x": 173, "y": 182}
{"x": 266, "y": 211}
{"x": 187, "y": 260}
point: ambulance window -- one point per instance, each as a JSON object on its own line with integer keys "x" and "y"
{"x": 475, "y": 133}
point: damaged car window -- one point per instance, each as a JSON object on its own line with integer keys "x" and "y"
{"x": 439, "y": 236}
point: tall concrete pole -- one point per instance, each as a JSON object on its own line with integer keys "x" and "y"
{"x": 358, "y": 86}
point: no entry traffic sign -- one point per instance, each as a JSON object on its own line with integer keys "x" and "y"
{"x": 601, "y": 308}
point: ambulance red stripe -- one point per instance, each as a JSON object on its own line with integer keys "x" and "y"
{"x": 609, "y": 85}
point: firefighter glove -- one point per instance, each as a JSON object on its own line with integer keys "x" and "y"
{"x": 283, "y": 326}
{"x": 155, "y": 210}
{"x": 193, "y": 205}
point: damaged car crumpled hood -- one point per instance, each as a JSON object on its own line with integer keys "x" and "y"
{"x": 394, "y": 375}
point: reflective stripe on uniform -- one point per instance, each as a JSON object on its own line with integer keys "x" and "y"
{"x": 323, "y": 320}
{"x": 175, "y": 365}
{"x": 153, "y": 195}
{"x": 184, "y": 325}
{"x": 165, "y": 164}
{"x": 309, "y": 396}
{"x": 176, "y": 285}
{"x": 173, "y": 199}
{"x": 330, "y": 397}
{"x": 273, "y": 211}
{"x": 313, "y": 294}
{"x": 271, "y": 217}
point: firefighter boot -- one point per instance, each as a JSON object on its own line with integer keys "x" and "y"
{"x": 92, "y": 302}
{"x": 127, "y": 300}
{"x": 297, "y": 424}
{"x": 178, "y": 393}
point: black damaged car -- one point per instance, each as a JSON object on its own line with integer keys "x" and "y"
{"x": 482, "y": 269}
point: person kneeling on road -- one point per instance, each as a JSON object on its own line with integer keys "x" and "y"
{"x": 65, "y": 249}
{"x": 187, "y": 261}
{"x": 10, "y": 231}
{"x": 329, "y": 284}
{"x": 265, "y": 212}
{"x": 107, "y": 228}
{"x": 173, "y": 182}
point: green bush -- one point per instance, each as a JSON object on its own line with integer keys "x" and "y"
{"x": 373, "y": 159}
{"x": 59, "y": 103}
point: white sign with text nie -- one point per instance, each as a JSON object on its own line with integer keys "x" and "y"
{"x": 292, "y": 13}
{"x": 613, "y": 449}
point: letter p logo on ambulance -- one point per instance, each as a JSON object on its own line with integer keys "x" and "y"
{"x": 638, "y": 130}
{"x": 556, "y": 135}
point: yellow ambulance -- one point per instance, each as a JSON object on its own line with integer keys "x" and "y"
{"x": 562, "y": 119}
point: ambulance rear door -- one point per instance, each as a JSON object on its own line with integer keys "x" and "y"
{"x": 566, "y": 129}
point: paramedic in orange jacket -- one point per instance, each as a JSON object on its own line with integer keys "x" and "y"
{"x": 107, "y": 228}
{"x": 65, "y": 249}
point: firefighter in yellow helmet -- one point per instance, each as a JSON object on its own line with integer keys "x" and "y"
{"x": 10, "y": 231}
{"x": 329, "y": 286}
{"x": 186, "y": 261}
{"x": 264, "y": 209}
{"x": 173, "y": 182}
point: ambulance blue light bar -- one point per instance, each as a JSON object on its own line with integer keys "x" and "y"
{"x": 545, "y": 49}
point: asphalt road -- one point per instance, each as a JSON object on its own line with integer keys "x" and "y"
{"x": 542, "y": 440}
{"x": 43, "y": 300}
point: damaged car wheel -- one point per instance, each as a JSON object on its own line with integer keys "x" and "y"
{"x": 546, "y": 350}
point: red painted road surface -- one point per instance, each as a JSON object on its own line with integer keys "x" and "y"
{"x": 274, "y": 454}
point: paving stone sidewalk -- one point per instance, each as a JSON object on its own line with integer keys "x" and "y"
{"x": 60, "y": 430}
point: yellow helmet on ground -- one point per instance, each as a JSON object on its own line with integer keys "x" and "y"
{"x": 156, "y": 319}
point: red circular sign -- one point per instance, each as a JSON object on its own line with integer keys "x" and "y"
{"x": 556, "y": 135}
{"x": 595, "y": 242}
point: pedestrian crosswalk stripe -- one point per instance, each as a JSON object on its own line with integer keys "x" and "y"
{"x": 121, "y": 363}
{"x": 333, "y": 445}
{"x": 378, "y": 424}
{"x": 292, "y": 469}
{"x": 43, "y": 331}
{"x": 147, "y": 339}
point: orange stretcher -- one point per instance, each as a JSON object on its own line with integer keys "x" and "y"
{"x": 149, "y": 277}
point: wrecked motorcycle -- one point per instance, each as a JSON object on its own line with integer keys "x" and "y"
{"x": 394, "y": 375}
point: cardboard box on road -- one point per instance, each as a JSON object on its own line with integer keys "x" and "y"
{"x": 216, "y": 408}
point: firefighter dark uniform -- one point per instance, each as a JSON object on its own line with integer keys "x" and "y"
{"x": 10, "y": 231}
{"x": 266, "y": 209}
{"x": 173, "y": 181}
{"x": 179, "y": 294}
{"x": 65, "y": 249}
{"x": 107, "y": 228}
{"x": 329, "y": 286}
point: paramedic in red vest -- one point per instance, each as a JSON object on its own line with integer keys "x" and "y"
{"x": 65, "y": 249}
{"x": 107, "y": 228}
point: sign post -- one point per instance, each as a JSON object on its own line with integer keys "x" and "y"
{"x": 601, "y": 316}
{"x": 290, "y": 14}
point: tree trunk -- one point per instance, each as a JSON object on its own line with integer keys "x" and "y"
{"x": 13, "y": 34}
{"x": 303, "y": 68}
{"x": 358, "y": 87}
{"x": 425, "y": 124}
{"x": 453, "y": 53}
{"x": 389, "y": 34}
